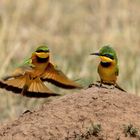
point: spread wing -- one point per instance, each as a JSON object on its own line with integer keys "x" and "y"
{"x": 58, "y": 78}
{"x": 17, "y": 83}
{"x": 13, "y": 84}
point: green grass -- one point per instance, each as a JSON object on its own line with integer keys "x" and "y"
{"x": 73, "y": 29}
{"x": 93, "y": 131}
{"x": 130, "y": 130}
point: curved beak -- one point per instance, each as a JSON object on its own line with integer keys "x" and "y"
{"x": 95, "y": 54}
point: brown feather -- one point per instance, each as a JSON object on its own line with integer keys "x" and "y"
{"x": 24, "y": 90}
{"x": 16, "y": 82}
{"x": 58, "y": 78}
{"x": 38, "y": 86}
{"x": 34, "y": 88}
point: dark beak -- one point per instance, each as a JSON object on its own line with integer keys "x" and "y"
{"x": 95, "y": 54}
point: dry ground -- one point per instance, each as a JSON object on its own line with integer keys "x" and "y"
{"x": 72, "y": 29}
{"x": 92, "y": 114}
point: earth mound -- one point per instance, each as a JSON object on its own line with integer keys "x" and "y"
{"x": 92, "y": 114}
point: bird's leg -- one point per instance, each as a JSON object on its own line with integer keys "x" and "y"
{"x": 92, "y": 84}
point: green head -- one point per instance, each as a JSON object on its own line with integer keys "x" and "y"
{"x": 42, "y": 51}
{"x": 107, "y": 54}
{"x": 42, "y": 48}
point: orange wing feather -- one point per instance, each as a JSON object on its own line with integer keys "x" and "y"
{"x": 34, "y": 88}
{"x": 58, "y": 78}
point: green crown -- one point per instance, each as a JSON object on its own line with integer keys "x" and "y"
{"x": 108, "y": 51}
{"x": 42, "y": 48}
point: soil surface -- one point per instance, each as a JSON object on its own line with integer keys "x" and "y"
{"x": 92, "y": 114}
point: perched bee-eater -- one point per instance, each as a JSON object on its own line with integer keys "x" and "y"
{"x": 108, "y": 67}
{"x": 29, "y": 78}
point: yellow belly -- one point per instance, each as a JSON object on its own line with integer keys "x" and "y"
{"x": 107, "y": 75}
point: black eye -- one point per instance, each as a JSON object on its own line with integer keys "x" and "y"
{"x": 109, "y": 56}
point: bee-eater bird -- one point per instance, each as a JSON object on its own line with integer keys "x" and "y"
{"x": 29, "y": 78}
{"x": 108, "y": 67}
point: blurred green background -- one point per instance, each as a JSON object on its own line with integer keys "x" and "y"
{"x": 72, "y": 29}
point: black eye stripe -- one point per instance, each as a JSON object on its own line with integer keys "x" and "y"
{"x": 109, "y": 55}
{"x": 42, "y": 51}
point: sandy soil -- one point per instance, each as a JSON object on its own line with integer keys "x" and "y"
{"x": 92, "y": 114}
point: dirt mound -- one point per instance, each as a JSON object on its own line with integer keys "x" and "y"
{"x": 92, "y": 114}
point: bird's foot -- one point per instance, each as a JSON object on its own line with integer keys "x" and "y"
{"x": 91, "y": 85}
{"x": 110, "y": 86}
{"x": 97, "y": 84}
{"x": 105, "y": 85}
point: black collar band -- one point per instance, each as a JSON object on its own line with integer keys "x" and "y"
{"x": 105, "y": 64}
{"x": 42, "y": 60}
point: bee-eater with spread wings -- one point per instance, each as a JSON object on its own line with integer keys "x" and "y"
{"x": 108, "y": 67}
{"x": 29, "y": 79}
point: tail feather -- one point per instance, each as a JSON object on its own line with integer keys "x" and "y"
{"x": 117, "y": 86}
{"x": 39, "y": 89}
{"x": 38, "y": 86}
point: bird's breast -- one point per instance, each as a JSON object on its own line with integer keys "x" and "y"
{"x": 38, "y": 69}
{"x": 107, "y": 72}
